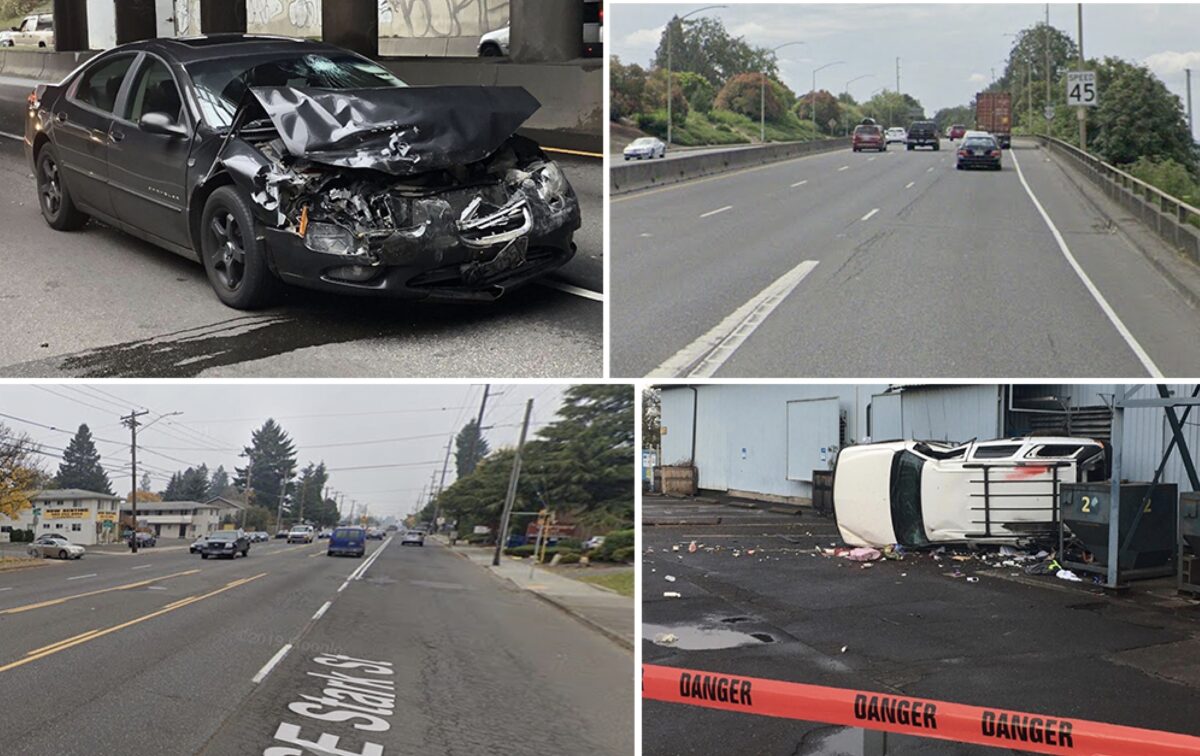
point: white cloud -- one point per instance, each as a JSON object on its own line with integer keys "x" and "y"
{"x": 1171, "y": 62}
{"x": 643, "y": 37}
{"x": 976, "y": 78}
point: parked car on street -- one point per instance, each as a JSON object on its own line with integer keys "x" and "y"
{"x": 416, "y": 537}
{"x": 494, "y": 44}
{"x": 143, "y": 539}
{"x": 919, "y": 493}
{"x": 347, "y": 540}
{"x": 301, "y": 534}
{"x": 284, "y": 161}
{"x": 223, "y": 543}
{"x": 978, "y": 150}
{"x": 868, "y": 136}
{"x": 923, "y": 134}
{"x": 55, "y": 546}
{"x": 896, "y": 135}
{"x": 594, "y": 542}
{"x": 281, "y": 533}
{"x": 645, "y": 148}
{"x": 324, "y": 533}
{"x": 35, "y": 30}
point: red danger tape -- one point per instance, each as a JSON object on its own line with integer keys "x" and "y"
{"x": 922, "y": 717}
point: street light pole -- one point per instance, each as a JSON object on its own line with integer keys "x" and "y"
{"x": 762, "y": 104}
{"x": 813, "y": 94}
{"x": 670, "y": 25}
{"x": 511, "y": 496}
{"x": 131, "y": 421}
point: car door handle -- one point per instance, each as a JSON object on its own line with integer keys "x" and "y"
{"x": 117, "y": 135}
{"x": 60, "y": 116}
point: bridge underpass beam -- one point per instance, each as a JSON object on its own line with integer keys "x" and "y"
{"x": 70, "y": 25}
{"x": 352, "y": 24}
{"x": 545, "y": 31}
{"x": 222, "y": 17}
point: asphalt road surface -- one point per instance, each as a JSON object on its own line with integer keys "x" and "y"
{"x": 845, "y": 264}
{"x": 100, "y": 303}
{"x": 173, "y": 654}
{"x": 988, "y": 638}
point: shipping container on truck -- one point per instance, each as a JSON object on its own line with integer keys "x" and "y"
{"x": 993, "y": 114}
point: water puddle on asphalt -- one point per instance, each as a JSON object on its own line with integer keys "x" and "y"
{"x": 840, "y": 741}
{"x": 701, "y": 637}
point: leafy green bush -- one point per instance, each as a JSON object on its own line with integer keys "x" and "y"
{"x": 614, "y": 541}
{"x": 1167, "y": 176}
{"x": 570, "y": 557}
{"x": 573, "y": 544}
{"x": 520, "y": 551}
{"x": 624, "y": 554}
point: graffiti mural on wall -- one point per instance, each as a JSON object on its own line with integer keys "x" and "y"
{"x": 187, "y": 18}
{"x": 441, "y": 18}
{"x": 300, "y": 18}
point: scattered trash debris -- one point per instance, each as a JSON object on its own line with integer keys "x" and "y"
{"x": 669, "y": 578}
{"x": 1068, "y": 575}
{"x": 666, "y": 639}
{"x": 863, "y": 554}
{"x": 972, "y": 580}
{"x": 672, "y": 594}
{"x": 844, "y": 649}
{"x": 692, "y": 547}
{"x": 675, "y": 547}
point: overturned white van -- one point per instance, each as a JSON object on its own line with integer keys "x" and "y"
{"x": 918, "y": 493}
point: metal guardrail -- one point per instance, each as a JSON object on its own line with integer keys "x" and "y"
{"x": 1165, "y": 203}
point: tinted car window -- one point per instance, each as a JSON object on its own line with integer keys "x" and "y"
{"x": 866, "y": 129}
{"x": 995, "y": 452}
{"x": 979, "y": 142}
{"x": 221, "y": 83}
{"x": 99, "y": 85}
{"x": 908, "y": 520}
{"x": 154, "y": 91}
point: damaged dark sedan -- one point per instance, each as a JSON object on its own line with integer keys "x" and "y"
{"x": 278, "y": 160}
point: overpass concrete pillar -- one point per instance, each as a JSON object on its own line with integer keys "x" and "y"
{"x": 352, "y": 24}
{"x": 70, "y": 25}
{"x": 135, "y": 20}
{"x": 222, "y": 17}
{"x": 545, "y": 30}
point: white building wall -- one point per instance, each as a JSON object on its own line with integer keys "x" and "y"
{"x": 952, "y": 413}
{"x": 102, "y": 24}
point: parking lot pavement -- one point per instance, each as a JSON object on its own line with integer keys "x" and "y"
{"x": 100, "y": 303}
{"x": 756, "y": 599}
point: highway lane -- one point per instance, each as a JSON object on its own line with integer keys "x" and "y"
{"x": 845, "y": 264}
{"x": 176, "y": 663}
{"x": 100, "y": 303}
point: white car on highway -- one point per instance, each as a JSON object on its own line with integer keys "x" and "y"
{"x": 645, "y": 147}
{"x": 918, "y": 493}
{"x": 896, "y": 134}
{"x": 301, "y": 534}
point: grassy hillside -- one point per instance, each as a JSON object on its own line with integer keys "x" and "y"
{"x": 725, "y": 127}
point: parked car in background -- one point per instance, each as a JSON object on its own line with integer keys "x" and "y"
{"x": 923, "y": 134}
{"x": 281, "y": 533}
{"x": 56, "y": 546}
{"x": 868, "y": 136}
{"x": 896, "y": 135}
{"x": 415, "y": 537}
{"x": 301, "y": 534}
{"x": 957, "y": 131}
{"x": 143, "y": 539}
{"x": 196, "y": 544}
{"x": 594, "y": 542}
{"x": 224, "y": 543}
{"x": 35, "y": 30}
{"x": 645, "y": 148}
{"x": 324, "y": 533}
{"x": 347, "y": 540}
{"x": 494, "y": 44}
{"x": 978, "y": 150}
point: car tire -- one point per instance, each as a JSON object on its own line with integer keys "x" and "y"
{"x": 62, "y": 554}
{"x": 958, "y": 166}
{"x": 490, "y": 51}
{"x": 228, "y": 232}
{"x": 54, "y": 198}
{"x": 203, "y": 555}
{"x": 909, "y": 146}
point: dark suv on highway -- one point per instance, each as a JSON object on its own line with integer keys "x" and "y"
{"x": 923, "y": 134}
{"x": 275, "y": 160}
{"x": 228, "y": 543}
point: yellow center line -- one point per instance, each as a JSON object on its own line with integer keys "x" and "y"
{"x": 59, "y": 643}
{"x": 580, "y": 153}
{"x": 85, "y": 637}
{"x": 127, "y": 586}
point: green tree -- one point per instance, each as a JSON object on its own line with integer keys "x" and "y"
{"x": 1169, "y": 176}
{"x": 1027, "y": 61}
{"x": 627, "y": 85}
{"x": 744, "y": 94}
{"x": 218, "y": 482}
{"x": 703, "y": 46}
{"x": 651, "y": 417}
{"x": 827, "y": 106}
{"x": 309, "y": 503}
{"x": 190, "y": 485}
{"x": 80, "y": 466}
{"x": 271, "y": 466}
{"x": 656, "y": 97}
{"x": 946, "y": 117}
{"x": 1138, "y": 117}
{"x": 697, "y": 90}
{"x": 19, "y": 472}
{"x": 893, "y": 109}
{"x": 469, "y": 448}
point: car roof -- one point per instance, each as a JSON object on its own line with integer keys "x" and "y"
{"x": 187, "y": 50}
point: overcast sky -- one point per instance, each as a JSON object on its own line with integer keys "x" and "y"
{"x": 217, "y": 421}
{"x": 946, "y": 51}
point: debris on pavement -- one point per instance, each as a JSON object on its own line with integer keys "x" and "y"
{"x": 672, "y": 594}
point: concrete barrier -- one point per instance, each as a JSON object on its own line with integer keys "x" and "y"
{"x": 631, "y": 177}
{"x": 49, "y": 67}
{"x": 1172, "y": 219}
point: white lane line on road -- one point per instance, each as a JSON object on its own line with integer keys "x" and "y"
{"x": 868, "y": 215}
{"x": 718, "y": 210}
{"x": 704, "y": 356}
{"x": 578, "y": 291}
{"x": 799, "y": 183}
{"x": 6, "y": 589}
{"x": 909, "y": 185}
{"x": 321, "y": 612}
{"x": 1087, "y": 282}
{"x": 266, "y": 670}
{"x": 844, "y": 168}
{"x": 141, "y": 567}
{"x": 8, "y": 135}
{"x": 871, "y": 158}
{"x": 81, "y": 577}
{"x": 342, "y": 587}
{"x": 929, "y": 169}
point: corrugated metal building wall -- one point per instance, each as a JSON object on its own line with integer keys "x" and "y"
{"x": 744, "y": 443}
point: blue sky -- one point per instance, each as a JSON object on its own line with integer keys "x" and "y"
{"x": 947, "y": 51}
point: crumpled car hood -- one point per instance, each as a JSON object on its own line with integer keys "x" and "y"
{"x": 402, "y": 130}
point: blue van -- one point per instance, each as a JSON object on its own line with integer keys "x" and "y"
{"x": 351, "y": 541}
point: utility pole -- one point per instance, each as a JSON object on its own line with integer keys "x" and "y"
{"x": 1191, "y": 123}
{"x": 511, "y": 496}
{"x": 303, "y": 493}
{"x": 279, "y": 507}
{"x": 131, "y": 421}
{"x": 249, "y": 490}
{"x": 479, "y": 425}
{"x": 1082, "y": 110}
{"x": 437, "y": 508}
{"x": 897, "y": 75}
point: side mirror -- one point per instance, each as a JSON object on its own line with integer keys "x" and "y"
{"x": 161, "y": 123}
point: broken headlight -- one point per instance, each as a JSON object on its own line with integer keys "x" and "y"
{"x": 551, "y": 183}
{"x": 329, "y": 239}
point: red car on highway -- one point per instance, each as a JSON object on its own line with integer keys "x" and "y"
{"x": 868, "y": 136}
{"x": 957, "y": 131}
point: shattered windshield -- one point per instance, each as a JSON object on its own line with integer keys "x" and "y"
{"x": 220, "y": 84}
{"x": 908, "y": 521}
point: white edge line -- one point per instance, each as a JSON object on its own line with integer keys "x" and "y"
{"x": 1087, "y": 282}
{"x": 81, "y": 577}
{"x": 141, "y": 567}
{"x": 844, "y": 168}
{"x": 712, "y": 349}
{"x": 909, "y": 184}
{"x": 578, "y": 291}
{"x": 321, "y": 612}
{"x": 342, "y": 587}
{"x": 799, "y": 183}
{"x": 10, "y": 135}
{"x": 6, "y": 589}
{"x": 868, "y": 215}
{"x": 266, "y": 670}
{"x": 718, "y": 210}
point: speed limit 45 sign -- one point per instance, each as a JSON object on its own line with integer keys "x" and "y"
{"x": 1081, "y": 88}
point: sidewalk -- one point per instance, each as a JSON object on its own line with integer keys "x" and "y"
{"x": 605, "y": 611}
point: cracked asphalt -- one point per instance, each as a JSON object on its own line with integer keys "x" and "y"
{"x": 1007, "y": 640}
